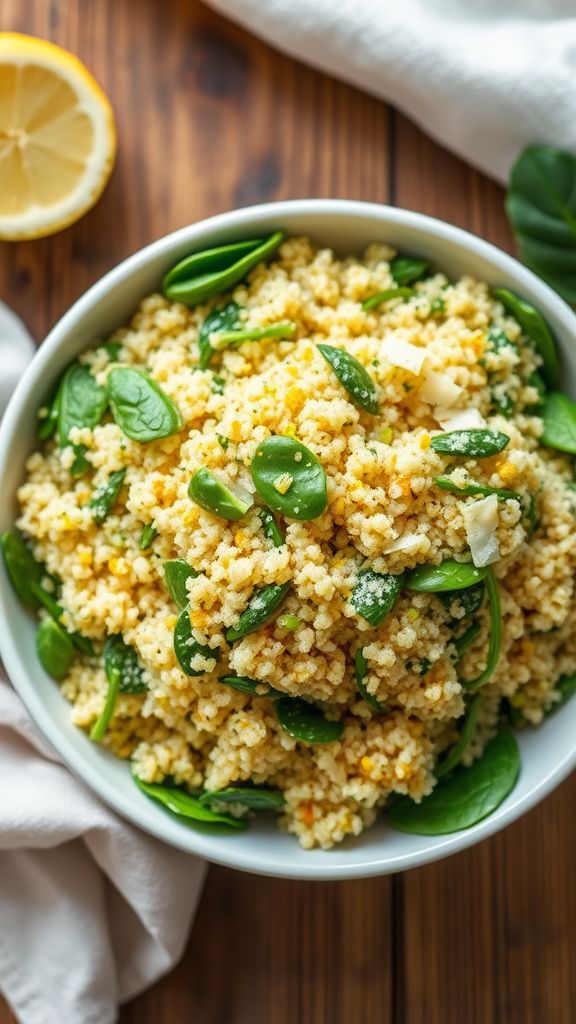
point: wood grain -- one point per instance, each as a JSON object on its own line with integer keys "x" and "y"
{"x": 210, "y": 118}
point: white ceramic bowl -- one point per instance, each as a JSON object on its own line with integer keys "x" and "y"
{"x": 548, "y": 753}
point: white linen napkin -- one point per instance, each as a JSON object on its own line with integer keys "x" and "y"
{"x": 92, "y": 911}
{"x": 484, "y": 77}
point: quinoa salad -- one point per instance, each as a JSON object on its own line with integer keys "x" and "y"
{"x": 300, "y": 539}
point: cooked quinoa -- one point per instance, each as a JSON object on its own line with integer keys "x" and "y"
{"x": 384, "y": 511}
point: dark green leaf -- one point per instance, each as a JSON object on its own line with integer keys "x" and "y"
{"x": 535, "y": 328}
{"x": 253, "y": 798}
{"x": 541, "y": 207}
{"x": 218, "y": 384}
{"x": 499, "y": 339}
{"x": 22, "y": 568}
{"x": 495, "y": 635}
{"x": 251, "y": 687}
{"x": 270, "y": 527}
{"x": 470, "y": 600}
{"x": 455, "y": 754}
{"x": 465, "y": 797}
{"x": 462, "y": 643}
{"x": 236, "y": 337}
{"x": 80, "y": 464}
{"x": 214, "y": 271}
{"x": 188, "y": 649}
{"x": 360, "y": 673}
{"x": 261, "y": 607}
{"x": 558, "y": 414}
{"x": 375, "y": 594}
{"x": 54, "y": 648}
{"x": 103, "y": 501}
{"x": 224, "y": 319}
{"x": 283, "y": 460}
{"x": 391, "y": 293}
{"x": 419, "y": 666}
{"x": 565, "y": 688}
{"x": 478, "y": 444}
{"x": 306, "y": 722}
{"x": 449, "y": 575}
{"x": 223, "y": 441}
{"x": 47, "y": 424}
{"x": 352, "y": 376}
{"x": 176, "y": 573}
{"x": 81, "y": 401}
{"x": 140, "y": 407}
{"x": 185, "y": 806}
{"x": 214, "y": 496}
{"x": 405, "y": 270}
{"x": 468, "y": 490}
{"x": 147, "y": 537}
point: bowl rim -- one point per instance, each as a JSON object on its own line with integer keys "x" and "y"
{"x": 196, "y": 842}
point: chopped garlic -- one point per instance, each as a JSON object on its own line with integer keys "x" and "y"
{"x": 440, "y": 389}
{"x": 460, "y": 419}
{"x": 401, "y": 353}
{"x": 481, "y": 524}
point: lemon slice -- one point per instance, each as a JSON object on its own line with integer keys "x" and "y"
{"x": 57, "y": 138}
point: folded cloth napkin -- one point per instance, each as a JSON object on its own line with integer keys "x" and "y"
{"x": 92, "y": 911}
{"x": 484, "y": 77}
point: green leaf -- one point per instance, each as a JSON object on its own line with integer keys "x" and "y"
{"x": 535, "y": 328}
{"x": 283, "y": 462}
{"x": 214, "y": 496}
{"x": 478, "y": 444}
{"x": 213, "y": 271}
{"x": 375, "y": 594}
{"x": 103, "y": 501}
{"x": 406, "y": 270}
{"x": 558, "y": 414}
{"x": 455, "y": 754}
{"x": 565, "y": 688}
{"x": 100, "y": 726}
{"x": 235, "y": 337}
{"x": 140, "y": 407}
{"x": 270, "y": 527}
{"x": 251, "y": 687}
{"x": 147, "y": 537}
{"x": 261, "y": 607}
{"x": 465, "y": 797}
{"x": 360, "y": 673}
{"x": 187, "y": 648}
{"x": 120, "y": 657}
{"x": 541, "y": 207}
{"x": 449, "y": 575}
{"x": 47, "y": 424}
{"x": 253, "y": 798}
{"x": 306, "y": 722}
{"x": 462, "y": 643}
{"x": 391, "y": 293}
{"x": 54, "y": 648}
{"x": 495, "y": 635}
{"x": 187, "y": 807}
{"x": 224, "y": 319}
{"x": 470, "y": 600}
{"x": 468, "y": 490}
{"x": 352, "y": 376}
{"x": 176, "y": 574}
{"x": 22, "y": 568}
{"x": 81, "y": 403}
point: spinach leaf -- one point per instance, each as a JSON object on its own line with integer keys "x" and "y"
{"x": 375, "y": 594}
{"x": 47, "y": 424}
{"x": 465, "y": 797}
{"x": 449, "y": 575}
{"x": 468, "y": 490}
{"x": 391, "y": 293}
{"x": 54, "y": 648}
{"x": 270, "y": 527}
{"x": 213, "y": 495}
{"x": 406, "y": 270}
{"x": 22, "y": 568}
{"x": 559, "y": 418}
{"x": 454, "y": 756}
{"x": 251, "y": 687}
{"x": 463, "y": 642}
{"x": 81, "y": 403}
{"x": 495, "y": 641}
{"x": 103, "y": 501}
{"x": 226, "y": 318}
{"x": 541, "y": 207}
{"x": 147, "y": 537}
{"x": 140, "y": 407}
{"x": 253, "y": 798}
{"x": 261, "y": 607}
{"x": 306, "y": 722}
{"x": 353, "y": 377}
{"x": 213, "y": 271}
{"x": 185, "y": 806}
{"x": 535, "y": 328}
{"x": 124, "y": 675}
{"x": 419, "y": 666}
{"x": 565, "y": 688}
{"x": 479, "y": 444}
{"x": 233, "y": 338}
{"x": 289, "y": 478}
{"x": 176, "y": 573}
{"x": 360, "y": 673}
{"x": 187, "y": 648}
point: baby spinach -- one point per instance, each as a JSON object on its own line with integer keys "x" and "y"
{"x": 217, "y": 385}
{"x": 558, "y": 414}
{"x": 470, "y": 600}
{"x": 449, "y": 575}
{"x": 47, "y": 424}
{"x": 187, "y": 648}
{"x": 352, "y": 376}
{"x": 103, "y": 501}
{"x": 147, "y": 537}
{"x": 479, "y": 444}
{"x": 306, "y": 722}
{"x": 391, "y": 293}
{"x": 187, "y": 807}
{"x": 463, "y": 642}
{"x": 289, "y": 478}
{"x": 140, "y": 407}
{"x": 375, "y": 594}
{"x": 360, "y": 673}
{"x": 22, "y": 568}
{"x": 535, "y": 328}
{"x": 54, "y": 648}
{"x": 419, "y": 666}
{"x": 213, "y": 271}
{"x": 261, "y": 607}
{"x": 214, "y": 496}
{"x": 565, "y": 688}
{"x": 251, "y": 687}
{"x": 253, "y": 798}
{"x": 541, "y": 208}
{"x": 469, "y": 490}
{"x": 270, "y": 527}
{"x": 465, "y": 797}
{"x": 124, "y": 675}
{"x": 176, "y": 573}
{"x": 495, "y": 641}
{"x": 224, "y": 319}
{"x": 81, "y": 402}
{"x": 236, "y": 337}
{"x": 455, "y": 754}
{"x": 406, "y": 270}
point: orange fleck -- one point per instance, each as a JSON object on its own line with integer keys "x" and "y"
{"x": 306, "y": 813}
{"x": 507, "y": 471}
{"x": 424, "y": 441}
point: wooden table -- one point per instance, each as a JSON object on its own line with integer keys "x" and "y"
{"x": 209, "y": 118}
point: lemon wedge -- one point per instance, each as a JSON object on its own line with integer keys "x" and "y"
{"x": 57, "y": 138}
